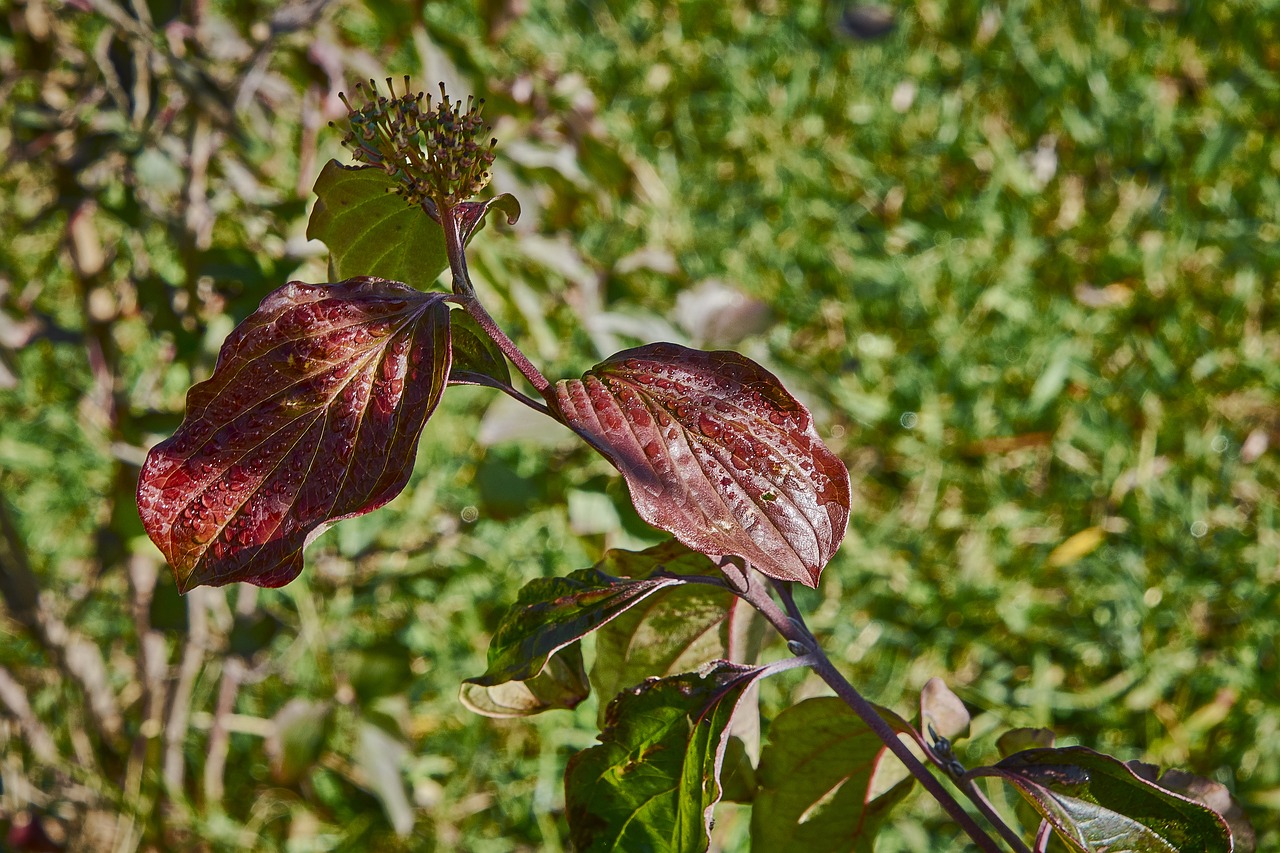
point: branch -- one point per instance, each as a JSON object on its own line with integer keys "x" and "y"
{"x": 801, "y": 641}
{"x": 466, "y": 297}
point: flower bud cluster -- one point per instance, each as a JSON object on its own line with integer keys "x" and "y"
{"x": 432, "y": 152}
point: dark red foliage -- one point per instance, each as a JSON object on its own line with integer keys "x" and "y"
{"x": 715, "y": 451}
{"x": 312, "y": 414}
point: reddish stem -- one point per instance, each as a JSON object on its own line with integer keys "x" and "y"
{"x": 794, "y": 631}
{"x": 466, "y": 293}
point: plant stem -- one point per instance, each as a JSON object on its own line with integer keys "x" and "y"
{"x": 466, "y": 297}
{"x": 1043, "y": 834}
{"x": 793, "y": 630}
{"x": 984, "y": 805}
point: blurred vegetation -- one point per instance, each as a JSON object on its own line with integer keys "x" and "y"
{"x": 1021, "y": 259}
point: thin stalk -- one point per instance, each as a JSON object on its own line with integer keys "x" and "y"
{"x": 788, "y": 600}
{"x": 984, "y": 805}
{"x": 466, "y": 297}
{"x": 1043, "y": 834}
{"x": 793, "y": 630}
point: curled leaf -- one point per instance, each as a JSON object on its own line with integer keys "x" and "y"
{"x": 312, "y": 415}
{"x": 471, "y": 214}
{"x": 715, "y": 451}
{"x": 654, "y": 778}
{"x": 677, "y": 629}
{"x": 1097, "y": 804}
{"x": 551, "y": 613}
{"x": 562, "y": 683}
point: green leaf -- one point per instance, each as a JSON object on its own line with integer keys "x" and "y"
{"x": 1016, "y": 740}
{"x": 477, "y": 360}
{"x": 561, "y": 684}
{"x": 372, "y": 231}
{"x": 653, "y": 780}
{"x": 551, "y": 613}
{"x": 815, "y": 781}
{"x": 1097, "y": 804}
{"x": 675, "y": 630}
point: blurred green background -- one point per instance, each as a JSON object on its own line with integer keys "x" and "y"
{"x": 1020, "y": 259}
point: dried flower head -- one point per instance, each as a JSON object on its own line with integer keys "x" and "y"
{"x": 431, "y": 151}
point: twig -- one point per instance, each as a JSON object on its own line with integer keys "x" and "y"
{"x": 984, "y": 805}
{"x": 799, "y": 638}
{"x": 466, "y": 297}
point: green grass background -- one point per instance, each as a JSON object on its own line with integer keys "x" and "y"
{"x": 1020, "y": 259}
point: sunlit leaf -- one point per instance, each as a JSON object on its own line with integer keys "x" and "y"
{"x": 1096, "y": 804}
{"x": 653, "y": 780}
{"x": 312, "y": 415}
{"x": 815, "y": 779}
{"x": 715, "y": 451}
{"x": 372, "y": 231}
{"x": 675, "y": 630}
{"x": 1213, "y": 794}
{"x": 551, "y": 613}
{"x": 562, "y": 683}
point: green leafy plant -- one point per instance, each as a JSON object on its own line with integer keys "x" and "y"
{"x": 313, "y": 414}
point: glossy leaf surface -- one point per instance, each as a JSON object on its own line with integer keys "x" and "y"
{"x": 561, "y": 684}
{"x": 372, "y": 231}
{"x": 653, "y": 780}
{"x": 815, "y": 779}
{"x": 715, "y": 451}
{"x": 1096, "y": 804}
{"x": 675, "y": 630}
{"x": 551, "y": 613}
{"x": 312, "y": 415}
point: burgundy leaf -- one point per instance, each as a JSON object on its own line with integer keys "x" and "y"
{"x": 715, "y": 451}
{"x": 471, "y": 214}
{"x": 312, "y": 415}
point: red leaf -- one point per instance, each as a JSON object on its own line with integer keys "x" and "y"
{"x": 312, "y": 415}
{"x": 715, "y": 451}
